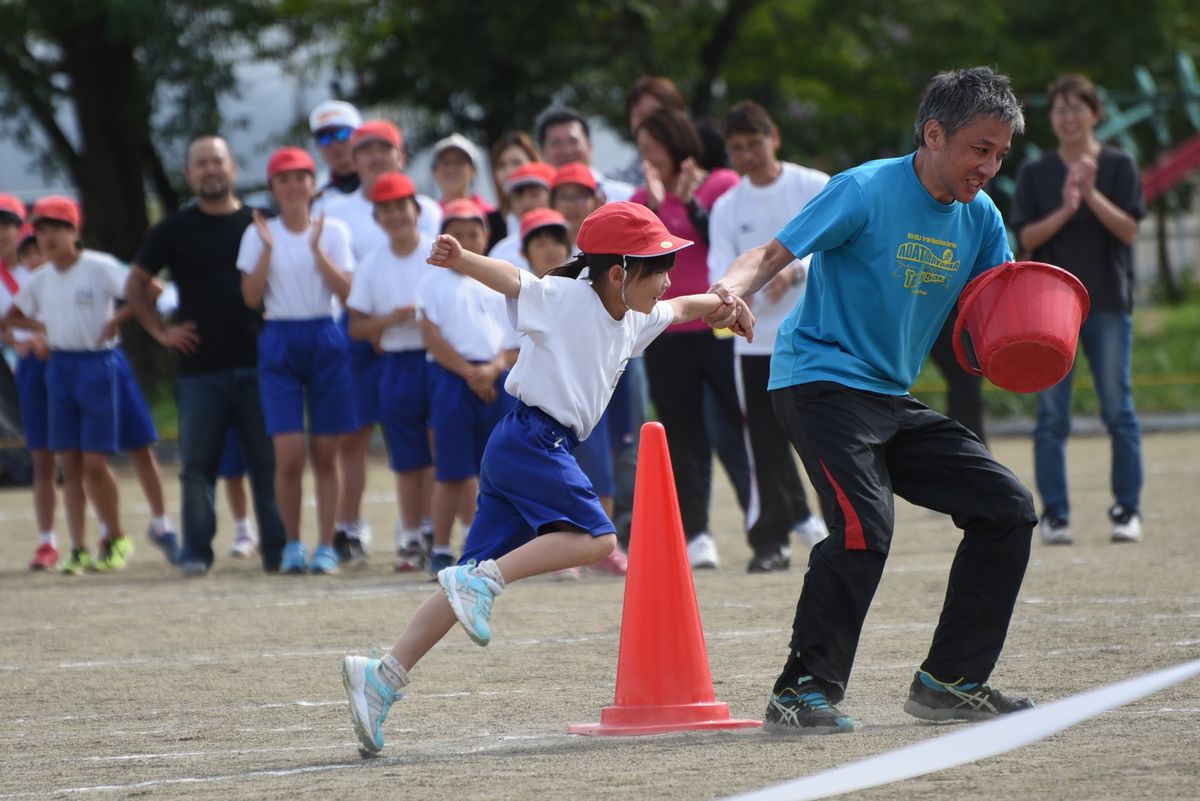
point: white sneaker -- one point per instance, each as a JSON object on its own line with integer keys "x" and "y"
{"x": 702, "y": 551}
{"x": 370, "y": 699}
{"x": 1055, "y": 530}
{"x": 471, "y": 589}
{"x": 245, "y": 544}
{"x": 1126, "y": 524}
{"x": 812, "y": 530}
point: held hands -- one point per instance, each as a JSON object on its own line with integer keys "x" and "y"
{"x": 402, "y": 315}
{"x": 446, "y": 252}
{"x": 733, "y": 313}
{"x": 264, "y": 233}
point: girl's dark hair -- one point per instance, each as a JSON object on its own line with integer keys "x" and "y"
{"x": 675, "y": 132}
{"x": 1077, "y": 86}
{"x": 597, "y": 263}
{"x": 559, "y": 234}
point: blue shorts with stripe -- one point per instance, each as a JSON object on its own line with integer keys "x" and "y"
{"x": 594, "y": 455}
{"x": 404, "y": 403}
{"x": 366, "y": 371}
{"x": 305, "y": 360}
{"x": 233, "y": 464}
{"x": 530, "y": 483}
{"x": 31, "y": 394}
{"x": 135, "y": 429}
{"x": 82, "y": 394}
{"x": 461, "y": 423}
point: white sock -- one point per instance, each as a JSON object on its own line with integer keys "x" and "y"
{"x": 48, "y": 538}
{"x": 426, "y": 525}
{"x": 409, "y": 536}
{"x": 443, "y": 550}
{"x": 161, "y": 525}
{"x": 393, "y": 673}
{"x": 244, "y": 529}
{"x": 103, "y": 531}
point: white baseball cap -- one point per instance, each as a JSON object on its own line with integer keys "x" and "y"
{"x": 334, "y": 114}
{"x": 458, "y": 142}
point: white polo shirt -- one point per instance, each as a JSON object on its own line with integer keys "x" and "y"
{"x": 296, "y": 290}
{"x": 365, "y": 234}
{"x": 471, "y": 317}
{"x": 74, "y": 304}
{"x": 384, "y": 282}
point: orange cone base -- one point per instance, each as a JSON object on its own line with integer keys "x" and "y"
{"x": 628, "y": 721}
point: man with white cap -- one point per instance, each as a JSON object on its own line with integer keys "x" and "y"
{"x": 332, "y": 123}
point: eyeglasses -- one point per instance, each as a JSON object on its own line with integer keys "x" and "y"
{"x": 327, "y": 138}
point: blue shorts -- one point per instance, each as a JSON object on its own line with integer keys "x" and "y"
{"x": 299, "y": 358}
{"x": 366, "y": 371}
{"x": 31, "y": 394}
{"x": 594, "y": 456}
{"x": 135, "y": 428}
{"x": 81, "y": 388}
{"x": 619, "y": 413}
{"x": 461, "y": 423}
{"x": 233, "y": 464}
{"x": 404, "y": 401}
{"x": 530, "y": 482}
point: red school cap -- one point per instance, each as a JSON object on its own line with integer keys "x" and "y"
{"x": 535, "y": 173}
{"x": 376, "y": 131}
{"x": 541, "y": 218}
{"x": 12, "y": 205}
{"x": 59, "y": 208}
{"x": 463, "y": 209}
{"x": 287, "y": 159}
{"x": 575, "y": 172}
{"x": 392, "y": 186}
{"x": 627, "y": 229}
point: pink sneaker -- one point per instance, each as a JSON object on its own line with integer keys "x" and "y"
{"x": 615, "y": 564}
{"x": 566, "y": 574}
{"x": 45, "y": 558}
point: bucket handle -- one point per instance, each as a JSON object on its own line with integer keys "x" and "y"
{"x": 965, "y": 302}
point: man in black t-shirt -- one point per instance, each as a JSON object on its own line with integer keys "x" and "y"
{"x": 215, "y": 339}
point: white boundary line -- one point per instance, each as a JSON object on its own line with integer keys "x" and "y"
{"x": 977, "y": 742}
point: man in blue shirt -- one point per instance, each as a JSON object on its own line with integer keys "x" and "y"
{"x": 894, "y": 242}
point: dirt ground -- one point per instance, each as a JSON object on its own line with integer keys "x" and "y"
{"x": 144, "y": 685}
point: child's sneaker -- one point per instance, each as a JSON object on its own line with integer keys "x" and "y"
{"x": 44, "y": 558}
{"x": 295, "y": 558}
{"x": 370, "y": 699}
{"x": 1126, "y": 524}
{"x": 930, "y": 699}
{"x": 411, "y": 559}
{"x": 439, "y": 562}
{"x": 113, "y": 551}
{"x": 79, "y": 561}
{"x": 471, "y": 588}
{"x": 324, "y": 561}
{"x": 1055, "y": 530}
{"x": 804, "y": 709}
{"x": 167, "y": 542}
{"x": 245, "y": 543}
{"x": 702, "y": 552}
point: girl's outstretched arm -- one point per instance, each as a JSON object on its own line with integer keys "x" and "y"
{"x": 690, "y": 307}
{"x": 501, "y": 276}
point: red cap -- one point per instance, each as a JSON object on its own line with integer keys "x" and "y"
{"x": 575, "y": 173}
{"x": 392, "y": 186}
{"x": 377, "y": 130}
{"x": 463, "y": 209}
{"x": 57, "y": 207}
{"x": 627, "y": 229}
{"x": 535, "y": 173}
{"x": 541, "y": 218}
{"x": 287, "y": 159}
{"x": 12, "y": 205}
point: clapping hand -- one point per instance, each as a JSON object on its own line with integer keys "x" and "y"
{"x": 264, "y": 233}
{"x": 318, "y": 227}
{"x": 656, "y": 190}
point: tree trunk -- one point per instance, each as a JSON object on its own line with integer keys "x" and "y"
{"x": 1166, "y": 277}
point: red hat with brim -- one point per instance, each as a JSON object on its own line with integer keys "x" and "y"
{"x": 463, "y": 209}
{"x": 289, "y": 159}
{"x": 541, "y": 218}
{"x": 392, "y": 186}
{"x": 11, "y": 204}
{"x": 376, "y": 131}
{"x": 575, "y": 173}
{"x": 627, "y": 229}
{"x": 535, "y": 173}
{"x": 58, "y": 208}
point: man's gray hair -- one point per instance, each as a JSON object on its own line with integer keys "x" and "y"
{"x": 959, "y": 97}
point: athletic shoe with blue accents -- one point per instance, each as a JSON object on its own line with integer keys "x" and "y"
{"x": 370, "y": 699}
{"x": 295, "y": 558}
{"x": 325, "y": 560}
{"x": 930, "y": 699}
{"x": 471, "y": 589}
{"x": 167, "y": 542}
{"x": 439, "y": 562}
{"x": 804, "y": 709}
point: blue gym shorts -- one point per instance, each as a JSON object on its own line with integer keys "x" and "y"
{"x": 366, "y": 370}
{"x": 135, "y": 428}
{"x": 404, "y": 404}
{"x": 530, "y": 483}
{"x": 233, "y": 464}
{"x": 299, "y": 359}
{"x": 461, "y": 423}
{"x": 31, "y": 394}
{"x": 81, "y": 388}
{"x": 594, "y": 456}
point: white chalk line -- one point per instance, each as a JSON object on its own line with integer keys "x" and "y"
{"x": 976, "y": 742}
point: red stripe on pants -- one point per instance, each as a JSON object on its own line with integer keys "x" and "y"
{"x": 854, "y": 533}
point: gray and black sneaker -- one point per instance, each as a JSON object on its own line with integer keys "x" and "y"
{"x": 930, "y": 699}
{"x": 804, "y": 710}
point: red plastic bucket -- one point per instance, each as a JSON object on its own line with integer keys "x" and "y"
{"x": 1021, "y": 322}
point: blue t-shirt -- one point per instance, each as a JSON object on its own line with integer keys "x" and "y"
{"x": 888, "y": 265}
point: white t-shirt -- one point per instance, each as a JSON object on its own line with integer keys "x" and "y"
{"x": 365, "y": 234}
{"x": 21, "y": 275}
{"x": 471, "y": 317}
{"x": 509, "y": 249}
{"x": 75, "y": 303}
{"x": 748, "y": 216}
{"x": 296, "y": 290}
{"x": 573, "y": 351}
{"x": 385, "y": 281}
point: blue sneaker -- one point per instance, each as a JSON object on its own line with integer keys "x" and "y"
{"x": 295, "y": 558}
{"x": 471, "y": 589}
{"x": 167, "y": 542}
{"x": 325, "y": 560}
{"x": 931, "y": 699}
{"x": 370, "y": 699}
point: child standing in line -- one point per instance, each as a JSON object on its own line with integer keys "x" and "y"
{"x": 527, "y": 188}
{"x": 471, "y": 344}
{"x": 294, "y": 266}
{"x": 71, "y": 302}
{"x": 537, "y": 512}
{"x": 383, "y": 311}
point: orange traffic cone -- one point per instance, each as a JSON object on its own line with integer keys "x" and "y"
{"x": 663, "y": 680}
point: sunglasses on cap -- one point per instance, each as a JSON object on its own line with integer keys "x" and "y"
{"x": 327, "y": 138}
